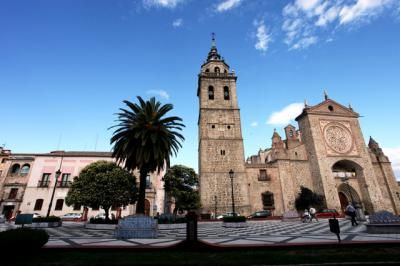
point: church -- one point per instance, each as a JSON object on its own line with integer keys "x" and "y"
{"x": 326, "y": 153}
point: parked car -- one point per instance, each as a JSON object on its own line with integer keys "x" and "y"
{"x": 260, "y": 214}
{"x": 71, "y": 216}
{"x": 228, "y": 214}
{"x": 327, "y": 213}
{"x": 36, "y": 215}
{"x": 2, "y": 218}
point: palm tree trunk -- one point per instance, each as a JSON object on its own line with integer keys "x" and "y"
{"x": 142, "y": 192}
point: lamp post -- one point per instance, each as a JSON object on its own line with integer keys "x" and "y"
{"x": 231, "y": 175}
{"x": 58, "y": 173}
{"x": 215, "y": 207}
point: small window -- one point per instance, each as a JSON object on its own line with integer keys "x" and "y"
{"x": 229, "y": 127}
{"x": 216, "y": 70}
{"x": 13, "y": 193}
{"x": 15, "y": 169}
{"x": 226, "y": 93}
{"x": 77, "y": 207}
{"x": 148, "y": 183}
{"x": 211, "y": 93}
{"x": 207, "y": 70}
{"x": 25, "y": 170}
{"x": 38, "y": 205}
{"x": 59, "y": 205}
{"x": 263, "y": 175}
{"x": 330, "y": 107}
{"x": 222, "y": 152}
{"x": 295, "y": 153}
{"x": 290, "y": 133}
{"x": 225, "y": 71}
{"x": 3, "y": 160}
{"x": 212, "y": 126}
{"x": 64, "y": 182}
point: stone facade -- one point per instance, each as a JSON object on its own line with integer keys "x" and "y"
{"x": 327, "y": 154}
{"x": 220, "y": 142}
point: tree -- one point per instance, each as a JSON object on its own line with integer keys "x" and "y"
{"x": 103, "y": 184}
{"x": 181, "y": 183}
{"x": 306, "y": 198}
{"x": 145, "y": 139}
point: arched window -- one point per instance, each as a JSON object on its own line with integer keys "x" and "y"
{"x": 216, "y": 70}
{"x": 226, "y": 93}
{"x": 225, "y": 71}
{"x": 59, "y": 205}
{"x": 268, "y": 200}
{"x": 207, "y": 70}
{"x": 24, "y": 169}
{"x": 211, "y": 93}
{"x": 38, "y": 205}
{"x": 15, "y": 169}
{"x": 291, "y": 133}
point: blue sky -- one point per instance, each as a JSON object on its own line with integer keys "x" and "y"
{"x": 66, "y": 66}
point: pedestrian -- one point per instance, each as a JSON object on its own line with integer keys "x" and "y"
{"x": 351, "y": 211}
{"x": 313, "y": 213}
{"x": 306, "y": 216}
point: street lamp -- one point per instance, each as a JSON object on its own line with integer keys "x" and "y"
{"x": 231, "y": 175}
{"x": 58, "y": 173}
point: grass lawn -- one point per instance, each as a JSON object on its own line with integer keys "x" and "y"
{"x": 292, "y": 255}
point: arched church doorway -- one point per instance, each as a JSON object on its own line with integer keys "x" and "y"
{"x": 343, "y": 201}
{"x": 146, "y": 207}
{"x": 348, "y": 172}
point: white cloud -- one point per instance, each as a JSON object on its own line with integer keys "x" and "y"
{"x": 394, "y": 157}
{"x": 162, "y": 3}
{"x": 177, "y": 23}
{"x": 286, "y": 115}
{"x": 161, "y": 93}
{"x": 305, "y": 20}
{"x": 254, "y": 124}
{"x": 262, "y": 36}
{"x": 304, "y": 43}
{"x": 227, "y": 5}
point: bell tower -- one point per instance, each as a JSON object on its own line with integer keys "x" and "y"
{"x": 220, "y": 138}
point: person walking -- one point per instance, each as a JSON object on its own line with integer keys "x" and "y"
{"x": 313, "y": 214}
{"x": 351, "y": 211}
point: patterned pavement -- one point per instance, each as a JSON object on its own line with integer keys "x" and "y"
{"x": 258, "y": 233}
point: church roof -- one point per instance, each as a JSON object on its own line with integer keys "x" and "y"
{"x": 328, "y": 107}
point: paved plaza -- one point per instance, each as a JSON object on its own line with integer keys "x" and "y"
{"x": 257, "y": 233}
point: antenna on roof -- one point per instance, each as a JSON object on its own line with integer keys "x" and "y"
{"x": 326, "y": 95}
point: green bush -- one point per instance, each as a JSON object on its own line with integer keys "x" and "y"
{"x": 23, "y": 238}
{"x": 234, "y": 219}
{"x": 102, "y": 221}
{"x": 50, "y": 219}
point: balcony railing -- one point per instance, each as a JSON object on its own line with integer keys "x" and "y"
{"x": 64, "y": 183}
{"x": 214, "y": 74}
{"x": 13, "y": 196}
{"x": 43, "y": 183}
{"x": 264, "y": 178}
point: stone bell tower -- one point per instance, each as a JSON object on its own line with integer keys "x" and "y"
{"x": 220, "y": 138}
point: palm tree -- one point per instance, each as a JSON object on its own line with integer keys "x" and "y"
{"x": 145, "y": 139}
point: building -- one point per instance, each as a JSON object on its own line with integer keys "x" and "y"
{"x": 327, "y": 154}
{"x": 32, "y": 178}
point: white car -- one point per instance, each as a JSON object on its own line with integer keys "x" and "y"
{"x": 228, "y": 214}
{"x": 71, "y": 216}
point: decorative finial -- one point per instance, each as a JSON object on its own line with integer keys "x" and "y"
{"x": 350, "y": 107}
{"x": 305, "y": 103}
{"x": 213, "y": 39}
{"x": 325, "y": 95}
{"x": 274, "y": 129}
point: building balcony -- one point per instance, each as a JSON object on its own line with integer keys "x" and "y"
{"x": 264, "y": 178}
{"x": 43, "y": 183}
{"x": 64, "y": 184}
{"x": 12, "y": 197}
{"x": 218, "y": 75}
